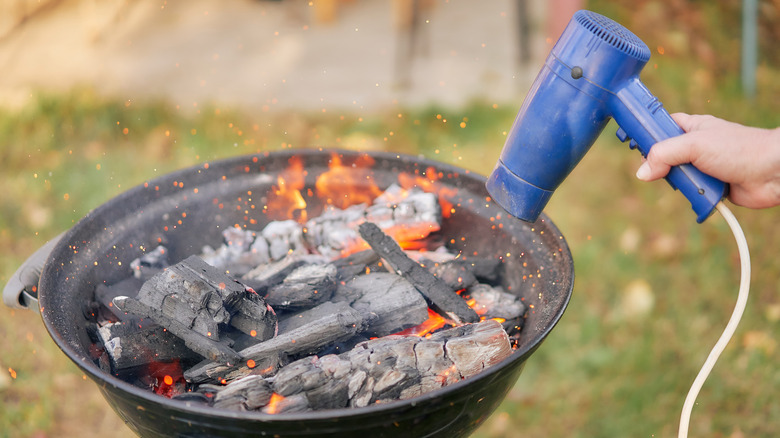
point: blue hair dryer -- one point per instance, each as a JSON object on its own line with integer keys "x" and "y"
{"x": 591, "y": 74}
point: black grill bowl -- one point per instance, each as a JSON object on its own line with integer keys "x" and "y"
{"x": 100, "y": 247}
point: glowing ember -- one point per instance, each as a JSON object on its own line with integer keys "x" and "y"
{"x": 343, "y": 186}
{"x": 273, "y": 404}
{"x": 285, "y": 200}
{"x": 168, "y": 378}
{"x": 430, "y": 325}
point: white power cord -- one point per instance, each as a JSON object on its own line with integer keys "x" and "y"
{"x": 731, "y": 327}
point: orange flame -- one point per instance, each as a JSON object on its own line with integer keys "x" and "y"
{"x": 273, "y": 405}
{"x": 285, "y": 198}
{"x": 430, "y": 325}
{"x": 343, "y": 186}
{"x": 430, "y": 183}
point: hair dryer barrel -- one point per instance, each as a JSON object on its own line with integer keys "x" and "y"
{"x": 591, "y": 74}
{"x": 554, "y": 128}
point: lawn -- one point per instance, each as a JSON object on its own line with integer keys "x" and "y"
{"x": 653, "y": 289}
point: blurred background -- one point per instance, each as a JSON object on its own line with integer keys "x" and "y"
{"x": 98, "y": 97}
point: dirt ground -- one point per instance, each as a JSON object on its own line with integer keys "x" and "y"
{"x": 269, "y": 55}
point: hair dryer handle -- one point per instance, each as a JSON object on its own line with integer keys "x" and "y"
{"x": 644, "y": 122}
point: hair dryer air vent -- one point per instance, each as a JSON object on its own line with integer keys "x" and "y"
{"x": 614, "y": 34}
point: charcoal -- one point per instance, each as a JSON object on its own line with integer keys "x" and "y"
{"x": 333, "y": 232}
{"x": 129, "y": 346}
{"x": 241, "y": 251}
{"x": 254, "y": 317}
{"x": 283, "y": 238}
{"x": 440, "y": 296}
{"x": 405, "y": 214}
{"x": 471, "y": 351}
{"x": 386, "y": 368}
{"x": 295, "y": 403}
{"x": 336, "y": 326}
{"x": 390, "y": 303}
{"x": 263, "y": 277}
{"x": 305, "y": 287}
{"x": 355, "y": 264}
{"x": 247, "y": 394}
{"x": 203, "y": 298}
{"x": 129, "y": 287}
{"x": 454, "y": 274}
{"x": 203, "y": 345}
{"x": 493, "y": 302}
{"x": 150, "y": 263}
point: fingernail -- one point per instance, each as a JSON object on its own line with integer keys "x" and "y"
{"x": 643, "y": 172}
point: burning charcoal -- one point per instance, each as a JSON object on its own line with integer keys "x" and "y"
{"x": 279, "y": 404}
{"x": 129, "y": 346}
{"x": 305, "y": 287}
{"x": 284, "y": 237}
{"x": 391, "y": 303}
{"x": 333, "y": 231}
{"x": 454, "y": 274}
{"x": 405, "y": 214}
{"x": 476, "y": 347}
{"x": 442, "y": 298}
{"x": 392, "y": 367}
{"x": 336, "y": 326}
{"x": 203, "y": 345}
{"x": 262, "y": 277}
{"x": 254, "y": 317}
{"x": 150, "y": 263}
{"x": 247, "y": 394}
{"x": 493, "y": 302}
{"x": 241, "y": 251}
{"x": 202, "y": 298}
{"x": 128, "y": 287}
{"x": 355, "y": 264}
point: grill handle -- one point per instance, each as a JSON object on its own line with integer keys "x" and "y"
{"x": 21, "y": 290}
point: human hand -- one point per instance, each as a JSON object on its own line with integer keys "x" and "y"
{"x": 745, "y": 157}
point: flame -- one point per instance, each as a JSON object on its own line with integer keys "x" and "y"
{"x": 430, "y": 325}
{"x": 273, "y": 405}
{"x": 285, "y": 198}
{"x": 343, "y": 186}
{"x": 430, "y": 183}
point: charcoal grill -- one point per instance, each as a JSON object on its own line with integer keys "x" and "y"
{"x": 100, "y": 247}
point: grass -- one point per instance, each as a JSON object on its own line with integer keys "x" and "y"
{"x": 613, "y": 367}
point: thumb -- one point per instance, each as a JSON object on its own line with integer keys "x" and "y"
{"x": 652, "y": 172}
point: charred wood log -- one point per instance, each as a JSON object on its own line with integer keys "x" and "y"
{"x": 305, "y": 287}
{"x": 386, "y": 368}
{"x": 390, "y": 303}
{"x": 335, "y": 323}
{"x": 440, "y": 296}
{"x": 203, "y": 298}
{"x": 263, "y": 277}
{"x": 203, "y": 345}
{"x": 129, "y": 346}
{"x": 355, "y": 264}
{"x": 247, "y": 394}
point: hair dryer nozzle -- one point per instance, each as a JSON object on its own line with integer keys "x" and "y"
{"x": 518, "y": 197}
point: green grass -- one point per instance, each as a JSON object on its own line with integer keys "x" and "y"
{"x": 603, "y": 372}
